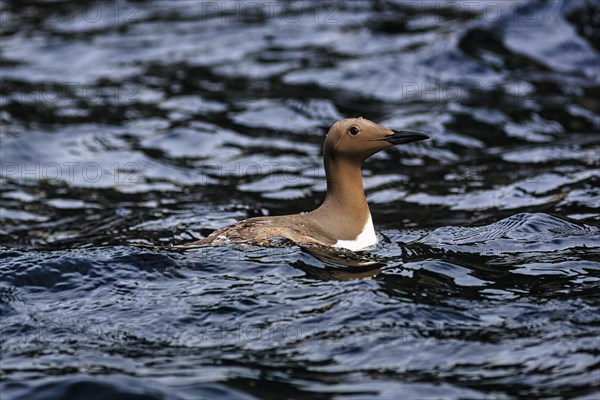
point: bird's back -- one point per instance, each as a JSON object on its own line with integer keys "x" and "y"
{"x": 299, "y": 228}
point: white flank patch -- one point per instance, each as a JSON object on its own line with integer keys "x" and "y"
{"x": 364, "y": 239}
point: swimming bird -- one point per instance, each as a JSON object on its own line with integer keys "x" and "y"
{"x": 343, "y": 219}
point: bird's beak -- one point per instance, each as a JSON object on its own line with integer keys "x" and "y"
{"x": 403, "y": 137}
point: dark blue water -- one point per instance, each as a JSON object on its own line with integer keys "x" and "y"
{"x": 154, "y": 123}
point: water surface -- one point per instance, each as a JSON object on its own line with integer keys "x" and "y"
{"x": 154, "y": 122}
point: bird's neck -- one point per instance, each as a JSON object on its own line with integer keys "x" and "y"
{"x": 345, "y": 204}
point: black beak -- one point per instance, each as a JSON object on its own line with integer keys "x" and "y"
{"x": 403, "y": 137}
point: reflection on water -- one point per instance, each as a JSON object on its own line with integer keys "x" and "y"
{"x": 154, "y": 123}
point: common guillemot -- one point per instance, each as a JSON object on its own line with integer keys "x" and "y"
{"x": 343, "y": 219}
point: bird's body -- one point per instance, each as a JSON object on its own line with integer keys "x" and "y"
{"x": 343, "y": 219}
{"x": 306, "y": 228}
{"x": 261, "y": 230}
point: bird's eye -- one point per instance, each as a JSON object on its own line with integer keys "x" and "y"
{"x": 353, "y": 131}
